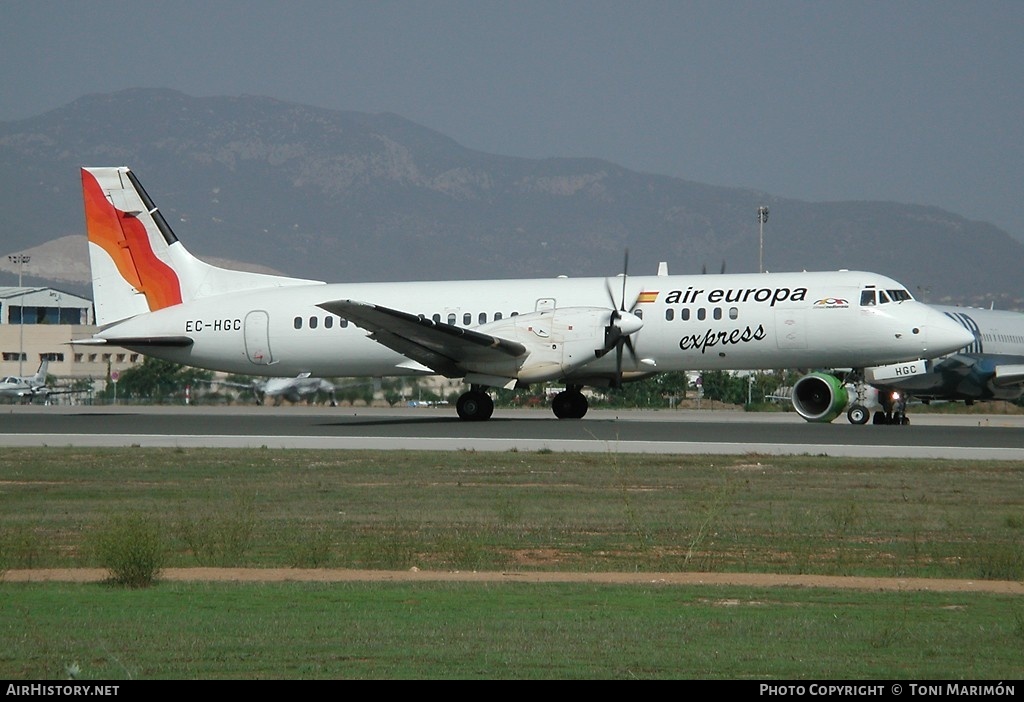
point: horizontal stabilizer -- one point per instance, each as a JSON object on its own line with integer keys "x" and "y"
{"x": 130, "y": 342}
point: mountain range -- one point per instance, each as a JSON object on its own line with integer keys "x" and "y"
{"x": 353, "y": 196}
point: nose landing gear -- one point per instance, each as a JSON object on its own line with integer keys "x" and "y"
{"x": 894, "y": 409}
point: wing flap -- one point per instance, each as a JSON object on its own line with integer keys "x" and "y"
{"x": 1006, "y": 375}
{"x": 444, "y": 348}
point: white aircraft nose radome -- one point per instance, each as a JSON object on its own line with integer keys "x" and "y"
{"x": 944, "y": 335}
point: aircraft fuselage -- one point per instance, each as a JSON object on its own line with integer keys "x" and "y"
{"x": 748, "y": 321}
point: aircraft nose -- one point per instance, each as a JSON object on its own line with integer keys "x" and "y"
{"x": 944, "y": 334}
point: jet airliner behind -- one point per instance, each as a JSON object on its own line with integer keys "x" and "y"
{"x": 154, "y": 297}
{"x": 991, "y": 367}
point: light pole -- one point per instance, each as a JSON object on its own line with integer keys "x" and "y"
{"x": 762, "y": 217}
{"x": 20, "y": 260}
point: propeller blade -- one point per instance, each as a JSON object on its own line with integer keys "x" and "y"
{"x": 620, "y": 325}
{"x": 632, "y": 351}
{"x": 618, "y": 366}
{"x": 625, "y": 274}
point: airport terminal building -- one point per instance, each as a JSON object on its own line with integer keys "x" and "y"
{"x": 41, "y": 322}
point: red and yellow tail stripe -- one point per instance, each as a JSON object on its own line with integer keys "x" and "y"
{"x": 125, "y": 240}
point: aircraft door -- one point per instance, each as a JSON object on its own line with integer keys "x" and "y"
{"x": 790, "y": 328}
{"x": 257, "y": 338}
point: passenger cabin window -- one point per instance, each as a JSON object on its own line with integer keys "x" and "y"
{"x": 312, "y": 322}
{"x": 451, "y": 318}
{"x": 670, "y": 314}
{"x": 467, "y": 318}
{"x": 328, "y": 322}
{"x": 497, "y": 316}
{"x": 733, "y": 313}
{"x": 298, "y": 323}
{"x": 436, "y": 317}
{"x": 482, "y": 319}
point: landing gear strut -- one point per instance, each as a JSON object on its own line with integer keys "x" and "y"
{"x": 570, "y": 404}
{"x": 475, "y": 405}
{"x": 858, "y": 412}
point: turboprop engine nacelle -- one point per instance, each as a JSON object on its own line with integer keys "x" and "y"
{"x": 558, "y": 341}
{"x": 819, "y": 397}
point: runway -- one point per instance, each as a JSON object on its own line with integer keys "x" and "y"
{"x": 990, "y": 437}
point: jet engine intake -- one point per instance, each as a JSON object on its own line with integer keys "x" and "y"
{"x": 819, "y": 397}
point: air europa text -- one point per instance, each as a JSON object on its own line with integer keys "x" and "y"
{"x": 770, "y": 295}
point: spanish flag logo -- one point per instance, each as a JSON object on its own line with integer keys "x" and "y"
{"x": 647, "y": 297}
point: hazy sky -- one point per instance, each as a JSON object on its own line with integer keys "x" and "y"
{"x": 911, "y": 101}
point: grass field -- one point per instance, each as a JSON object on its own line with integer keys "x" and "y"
{"x": 512, "y": 512}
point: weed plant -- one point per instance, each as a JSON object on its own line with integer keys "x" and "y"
{"x": 131, "y": 547}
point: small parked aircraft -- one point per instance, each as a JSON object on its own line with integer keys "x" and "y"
{"x": 301, "y": 388}
{"x": 28, "y": 387}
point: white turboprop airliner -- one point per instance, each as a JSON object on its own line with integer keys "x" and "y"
{"x": 154, "y": 297}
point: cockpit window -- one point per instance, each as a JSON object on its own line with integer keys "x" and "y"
{"x": 867, "y": 298}
{"x": 899, "y": 295}
{"x": 882, "y": 297}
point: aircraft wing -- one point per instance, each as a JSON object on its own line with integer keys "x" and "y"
{"x": 59, "y": 390}
{"x": 967, "y": 376}
{"x": 1008, "y": 374}
{"x": 228, "y": 383}
{"x": 443, "y": 348}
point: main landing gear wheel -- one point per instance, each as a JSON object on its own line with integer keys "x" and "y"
{"x": 570, "y": 404}
{"x": 858, "y": 414}
{"x": 475, "y": 406}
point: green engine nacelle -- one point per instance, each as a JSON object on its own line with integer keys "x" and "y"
{"x": 819, "y": 397}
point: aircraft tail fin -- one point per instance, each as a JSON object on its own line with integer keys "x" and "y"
{"x": 138, "y": 264}
{"x": 40, "y": 377}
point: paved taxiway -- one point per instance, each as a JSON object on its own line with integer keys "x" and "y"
{"x": 999, "y": 437}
